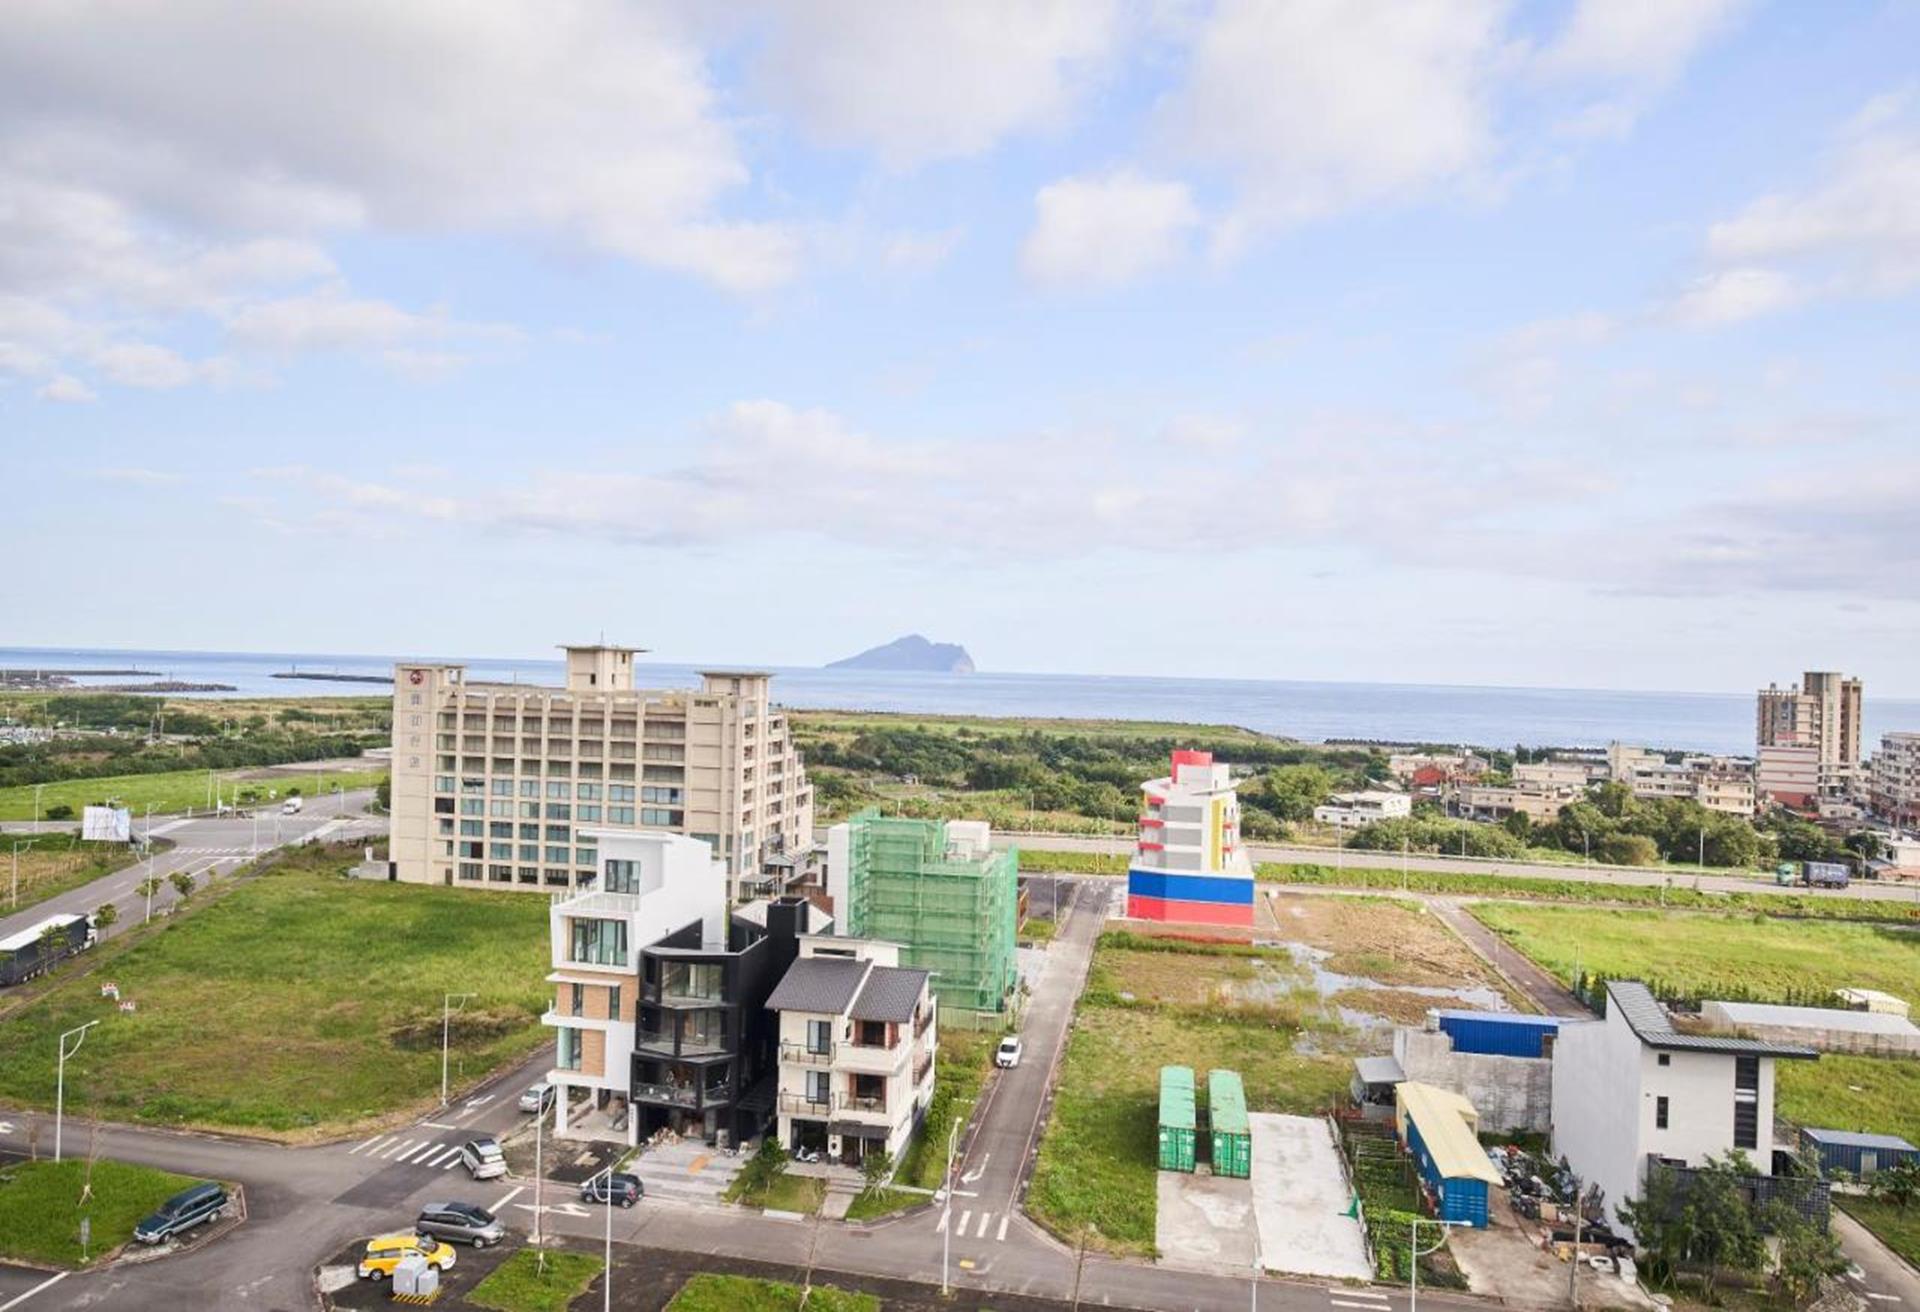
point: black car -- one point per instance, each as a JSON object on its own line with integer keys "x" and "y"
{"x": 183, "y": 1211}
{"x": 626, "y": 1191}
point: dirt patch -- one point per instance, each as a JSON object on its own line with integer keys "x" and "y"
{"x": 1383, "y": 940}
{"x": 1389, "y": 1004}
{"x": 477, "y": 1026}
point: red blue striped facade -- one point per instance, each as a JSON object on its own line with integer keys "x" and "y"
{"x": 1189, "y": 899}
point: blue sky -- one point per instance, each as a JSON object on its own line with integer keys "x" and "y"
{"x": 1565, "y": 343}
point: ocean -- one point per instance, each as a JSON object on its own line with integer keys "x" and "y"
{"x": 1315, "y": 712}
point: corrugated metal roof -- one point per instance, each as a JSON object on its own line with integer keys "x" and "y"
{"x": 890, "y": 993}
{"x": 1227, "y": 1102}
{"x": 1501, "y": 1018}
{"x": 1378, "y": 1070}
{"x": 1176, "y": 1096}
{"x": 1649, "y": 1021}
{"x": 1856, "y": 1139}
{"x": 822, "y": 984}
{"x": 1446, "y": 1122}
{"x": 1818, "y": 1018}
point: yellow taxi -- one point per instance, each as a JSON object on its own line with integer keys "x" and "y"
{"x": 384, "y": 1253}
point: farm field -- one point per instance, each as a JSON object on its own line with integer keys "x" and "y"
{"x": 1760, "y": 956}
{"x": 54, "y": 863}
{"x": 293, "y": 1005}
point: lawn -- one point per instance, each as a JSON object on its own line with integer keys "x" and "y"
{"x": 170, "y": 790}
{"x": 958, "y": 1077}
{"x": 786, "y": 1193}
{"x": 1705, "y": 954}
{"x": 871, "y": 1203}
{"x": 296, "y": 1004}
{"x": 518, "y": 1284}
{"x": 1898, "y": 1227}
{"x": 54, "y": 864}
{"x": 40, "y": 1207}
{"x": 1096, "y": 1164}
{"x": 715, "y": 1293}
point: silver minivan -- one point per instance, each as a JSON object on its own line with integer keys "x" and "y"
{"x": 460, "y": 1223}
{"x": 483, "y": 1159}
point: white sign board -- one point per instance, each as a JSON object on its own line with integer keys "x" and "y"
{"x": 106, "y": 824}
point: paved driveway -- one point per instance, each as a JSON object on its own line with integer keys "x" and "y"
{"x": 1301, "y": 1200}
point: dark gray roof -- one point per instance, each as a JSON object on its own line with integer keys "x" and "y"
{"x": 1855, "y": 1139}
{"x": 823, "y": 984}
{"x": 1649, "y": 1021}
{"x": 891, "y": 993}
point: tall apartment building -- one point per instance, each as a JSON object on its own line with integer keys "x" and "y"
{"x": 1188, "y": 864}
{"x": 1893, "y": 782}
{"x": 493, "y": 782}
{"x": 1822, "y": 711}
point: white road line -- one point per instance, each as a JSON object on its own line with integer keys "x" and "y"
{"x": 436, "y": 1155}
{"x": 946, "y": 1214}
{"x": 965, "y": 1217}
{"x": 412, "y": 1153}
{"x": 44, "y": 1284}
{"x": 368, "y": 1144}
{"x": 436, "y": 1125}
{"x": 985, "y": 1218}
{"x": 1371, "y": 1307}
{"x": 1357, "y": 1293}
{"x": 506, "y": 1198}
{"x": 1884, "y": 1298}
{"x": 452, "y": 1162}
{"x": 403, "y": 1146}
{"x": 1001, "y": 1237}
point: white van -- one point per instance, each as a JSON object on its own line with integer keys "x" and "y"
{"x": 291, "y": 806}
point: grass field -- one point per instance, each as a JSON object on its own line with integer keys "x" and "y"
{"x": 52, "y": 865}
{"x": 715, "y": 1293}
{"x": 1898, "y": 1227}
{"x": 295, "y": 1004}
{"x": 40, "y": 1207}
{"x": 1880, "y": 1095}
{"x": 518, "y": 1284}
{"x": 171, "y": 790}
{"x": 848, "y": 723}
{"x": 1096, "y": 1165}
{"x": 1712, "y": 953}
{"x": 958, "y": 1077}
{"x": 787, "y": 1193}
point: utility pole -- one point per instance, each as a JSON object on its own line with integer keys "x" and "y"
{"x": 1579, "y": 1222}
{"x": 1416, "y": 1253}
{"x": 60, "y": 1080}
{"x": 446, "y": 1021}
{"x": 36, "y": 807}
{"x": 17, "y": 847}
{"x": 539, "y": 1179}
{"x": 946, "y": 1218}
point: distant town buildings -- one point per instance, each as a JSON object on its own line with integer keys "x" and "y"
{"x": 1719, "y": 783}
{"x": 493, "y": 783}
{"x": 1188, "y": 863}
{"x": 1821, "y": 712}
{"x": 1893, "y": 780}
{"x": 1495, "y": 802}
{"x": 1352, "y": 810}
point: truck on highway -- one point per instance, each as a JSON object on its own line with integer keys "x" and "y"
{"x": 1814, "y": 874}
{"x": 38, "y": 948}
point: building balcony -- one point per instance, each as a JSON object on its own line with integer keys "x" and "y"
{"x": 799, "y": 1104}
{"x": 923, "y": 1023}
{"x": 689, "y": 1045}
{"x": 922, "y": 1068}
{"x": 802, "y": 1055}
{"x": 552, "y": 1017}
{"x": 683, "y": 1095}
{"x": 847, "y": 1104}
{"x": 867, "y": 1060}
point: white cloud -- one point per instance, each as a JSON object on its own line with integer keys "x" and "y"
{"x": 135, "y": 474}
{"x": 67, "y": 388}
{"x": 1730, "y": 296}
{"x": 1635, "y": 40}
{"x": 1313, "y": 106}
{"x": 917, "y": 252}
{"x": 1107, "y": 229}
{"x": 331, "y": 319}
{"x": 143, "y": 364}
{"x": 920, "y": 82}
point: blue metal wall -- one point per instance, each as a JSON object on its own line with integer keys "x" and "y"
{"x": 1190, "y": 888}
{"x": 1496, "y": 1034}
{"x": 1460, "y": 1200}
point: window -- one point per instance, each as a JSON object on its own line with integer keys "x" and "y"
{"x": 655, "y": 816}
{"x": 1660, "y": 1113}
{"x": 529, "y": 810}
{"x": 619, "y": 792}
{"x": 558, "y": 856}
{"x": 530, "y": 832}
{"x": 559, "y": 834}
{"x": 529, "y": 851}
{"x": 500, "y": 808}
{"x": 500, "y": 829}
{"x": 818, "y": 1083}
{"x": 529, "y": 788}
{"x": 621, "y": 877}
{"x": 579, "y": 999}
{"x": 620, "y": 815}
{"x": 473, "y": 806}
{"x": 559, "y": 790}
{"x": 587, "y": 792}
{"x": 1746, "y": 1074}
{"x": 613, "y": 1002}
{"x": 470, "y": 828}
{"x": 1746, "y": 1124}
{"x": 599, "y": 942}
{"x": 500, "y": 851}
{"x": 819, "y": 1036}
{"x": 1666, "y": 1059}
{"x": 587, "y": 813}
{"x": 503, "y": 788}
{"x": 569, "y": 1054}
{"x": 559, "y": 811}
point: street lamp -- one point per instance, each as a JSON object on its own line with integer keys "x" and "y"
{"x": 60, "y": 1080}
{"x": 1413, "y": 1264}
{"x": 946, "y": 1219}
{"x": 18, "y": 846}
{"x": 606, "y": 1280}
{"x": 446, "y": 1020}
{"x": 36, "y": 807}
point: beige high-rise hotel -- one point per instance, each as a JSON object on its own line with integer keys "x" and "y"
{"x": 492, "y": 782}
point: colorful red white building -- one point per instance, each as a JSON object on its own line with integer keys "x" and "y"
{"x": 1188, "y": 864}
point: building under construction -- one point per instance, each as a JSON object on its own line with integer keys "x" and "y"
{"x": 939, "y": 890}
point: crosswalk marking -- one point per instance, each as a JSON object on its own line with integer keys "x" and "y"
{"x": 1001, "y": 1235}
{"x": 981, "y": 1233}
{"x": 419, "y": 1152}
{"x": 1371, "y": 1307}
{"x": 368, "y": 1144}
{"x": 399, "y": 1147}
{"x": 434, "y": 1157}
{"x": 452, "y": 1162}
{"x": 965, "y": 1217}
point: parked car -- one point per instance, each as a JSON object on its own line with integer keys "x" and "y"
{"x": 460, "y": 1223}
{"x": 385, "y": 1251}
{"x": 482, "y": 1158}
{"x": 1007, "y": 1055}
{"x": 183, "y": 1211}
{"x": 626, "y": 1189}
{"x": 538, "y": 1097}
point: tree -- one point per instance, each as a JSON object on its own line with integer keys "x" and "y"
{"x": 1808, "y": 1253}
{"x": 1899, "y": 1184}
{"x": 1721, "y": 1228}
{"x": 146, "y": 888}
{"x": 1658, "y": 1223}
{"x": 182, "y": 882}
{"x": 1292, "y": 791}
{"x": 1627, "y": 850}
{"x": 383, "y": 792}
{"x": 1865, "y": 844}
{"x": 53, "y": 941}
{"x": 1519, "y": 824}
{"x": 59, "y": 811}
{"x": 875, "y": 1168}
{"x": 104, "y": 916}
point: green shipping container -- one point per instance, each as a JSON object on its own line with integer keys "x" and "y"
{"x": 1176, "y": 1118}
{"x": 1232, "y": 1135}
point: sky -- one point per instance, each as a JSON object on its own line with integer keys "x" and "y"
{"x": 1569, "y": 343}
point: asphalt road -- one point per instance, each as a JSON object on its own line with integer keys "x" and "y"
{"x": 1721, "y": 882}
{"x": 207, "y": 846}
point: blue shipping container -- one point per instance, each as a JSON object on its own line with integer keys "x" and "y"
{"x": 1190, "y": 888}
{"x": 1858, "y": 1155}
{"x": 1499, "y": 1033}
{"x": 1462, "y": 1200}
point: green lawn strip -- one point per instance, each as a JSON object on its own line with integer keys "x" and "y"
{"x": 787, "y": 1193}
{"x": 1897, "y": 1227}
{"x": 1096, "y": 1166}
{"x": 40, "y": 1207}
{"x": 297, "y": 1002}
{"x": 519, "y": 1285}
{"x": 172, "y": 790}
{"x": 1037, "y": 931}
{"x": 871, "y": 1203}
{"x": 958, "y": 1077}
{"x": 1710, "y": 955}
{"x": 1679, "y": 897}
{"x": 1877, "y": 1095}
{"x": 715, "y": 1293}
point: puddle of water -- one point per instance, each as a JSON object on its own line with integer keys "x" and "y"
{"x": 1307, "y": 971}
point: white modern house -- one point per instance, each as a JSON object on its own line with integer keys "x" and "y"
{"x": 1352, "y": 810}
{"x": 648, "y": 884}
{"x": 857, "y": 1035}
{"x": 1630, "y": 1090}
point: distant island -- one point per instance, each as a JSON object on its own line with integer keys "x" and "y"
{"x": 914, "y": 653}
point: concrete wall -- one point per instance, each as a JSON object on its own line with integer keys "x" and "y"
{"x": 1510, "y": 1093}
{"x": 1816, "y": 1036}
